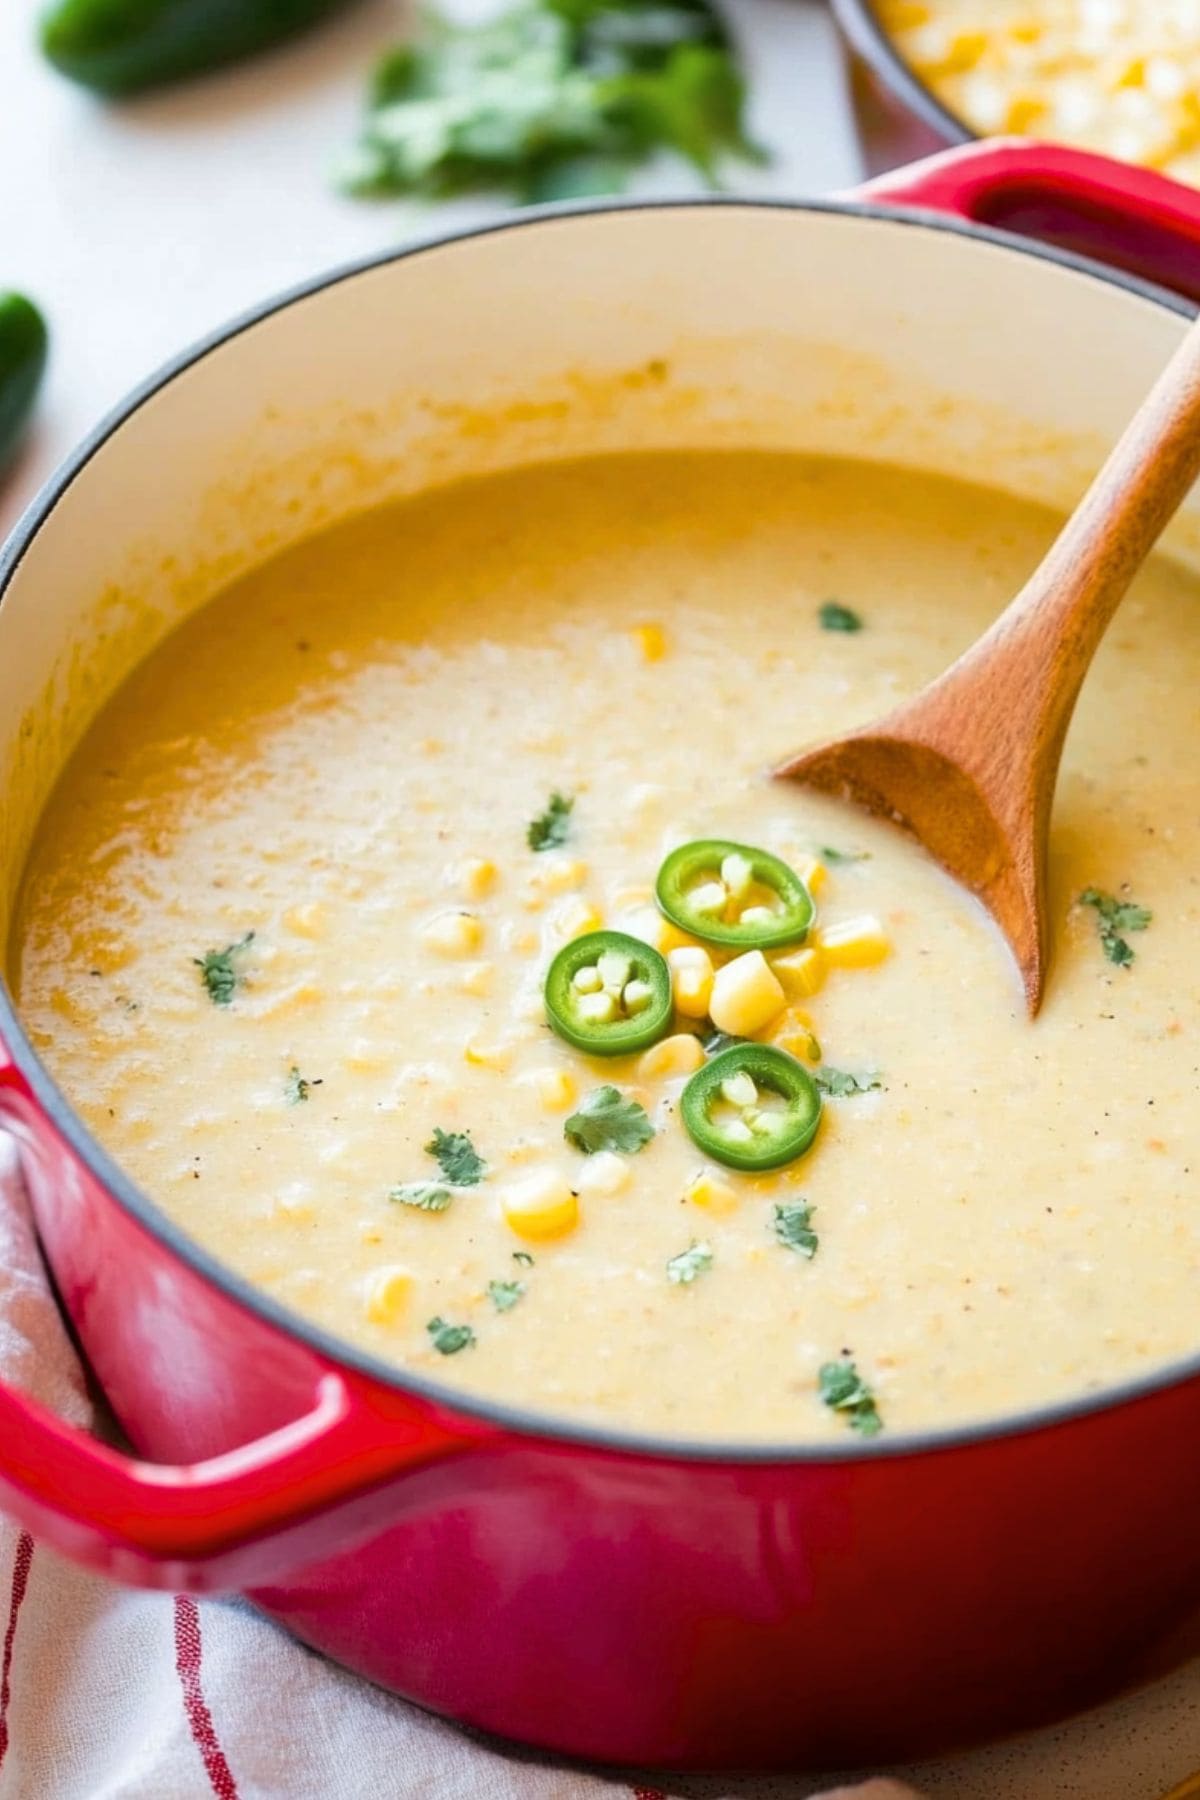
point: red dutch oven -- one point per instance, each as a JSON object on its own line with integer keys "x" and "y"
{"x": 591, "y": 1591}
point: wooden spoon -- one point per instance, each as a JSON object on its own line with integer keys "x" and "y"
{"x": 969, "y": 765}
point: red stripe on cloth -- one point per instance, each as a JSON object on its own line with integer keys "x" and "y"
{"x": 20, "y": 1581}
{"x": 188, "y": 1655}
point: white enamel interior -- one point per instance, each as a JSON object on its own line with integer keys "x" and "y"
{"x": 806, "y": 329}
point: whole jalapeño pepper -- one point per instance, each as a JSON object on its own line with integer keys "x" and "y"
{"x": 121, "y": 46}
{"x": 23, "y": 346}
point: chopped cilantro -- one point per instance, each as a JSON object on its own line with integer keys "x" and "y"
{"x": 683, "y": 1269}
{"x": 505, "y": 1294}
{"x": 841, "y": 1084}
{"x": 449, "y": 1339}
{"x": 297, "y": 1087}
{"x": 836, "y": 617}
{"x": 523, "y": 1257}
{"x": 457, "y": 1158}
{"x": 550, "y": 98}
{"x": 426, "y": 1196}
{"x": 793, "y": 1229}
{"x": 218, "y": 973}
{"x": 842, "y": 1388}
{"x": 606, "y": 1120}
{"x": 552, "y": 827}
{"x": 1113, "y": 918}
{"x": 830, "y": 854}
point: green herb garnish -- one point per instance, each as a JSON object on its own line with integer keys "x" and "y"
{"x": 836, "y": 617}
{"x": 426, "y": 1196}
{"x": 683, "y": 1269}
{"x": 523, "y": 1257}
{"x": 841, "y": 1084}
{"x": 457, "y": 1158}
{"x": 841, "y": 1387}
{"x": 831, "y": 855}
{"x": 297, "y": 1087}
{"x": 1113, "y": 918}
{"x": 550, "y": 99}
{"x": 505, "y": 1294}
{"x": 716, "y": 1041}
{"x": 449, "y": 1339}
{"x": 552, "y": 827}
{"x": 218, "y": 973}
{"x": 792, "y": 1228}
{"x": 606, "y": 1120}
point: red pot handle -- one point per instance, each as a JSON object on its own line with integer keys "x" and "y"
{"x": 248, "y": 1516}
{"x": 240, "y": 1519}
{"x": 1129, "y": 218}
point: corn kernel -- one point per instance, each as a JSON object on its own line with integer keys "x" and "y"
{"x": 387, "y": 1294}
{"x": 651, "y": 641}
{"x": 555, "y": 1088}
{"x": 678, "y": 1055}
{"x": 307, "y": 921}
{"x": 559, "y": 874}
{"x": 691, "y": 980}
{"x": 453, "y": 934}
{"x": 794, "y": 1033}
{"x": 540, "y": 1206}
{"x": 802, "y": 972}
{"x": 855, "y": 943}
{"x": 812, "y": 872}
{"x": 493, "y": 1053}
{"x": 709, "y": 1192}
{"x": 745, "y": 995}
{"x": 629, "y": 899}
{"x": 477, "y": 876}
{"x": 575, "y": 918}
{"x": 604, "y": 1173}
{"x": 477, "y": 979}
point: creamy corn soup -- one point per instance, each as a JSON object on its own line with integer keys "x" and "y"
{"x": 285, "y": 935}
{"x": 1119, "y": 76}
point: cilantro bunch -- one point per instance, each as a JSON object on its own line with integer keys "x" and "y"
{"x": 550, "y": 100}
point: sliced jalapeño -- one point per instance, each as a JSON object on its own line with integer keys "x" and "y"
{"x": 752, "y": 1107}
{"x": 609, "y": 994}
{"x": 733, "y": 894}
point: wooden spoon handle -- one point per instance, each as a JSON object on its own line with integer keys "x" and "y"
{"x": 1024, "y": 675}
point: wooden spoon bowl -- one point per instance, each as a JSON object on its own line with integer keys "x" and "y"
{"x": 970, "y": 765}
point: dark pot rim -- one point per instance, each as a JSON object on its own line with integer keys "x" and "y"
{"x": 527, "y": 1423}
{"x": 860, "y": 25}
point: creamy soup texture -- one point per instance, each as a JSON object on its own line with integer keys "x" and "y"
{"x": 342, "y": 755}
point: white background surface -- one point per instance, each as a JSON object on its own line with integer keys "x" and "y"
{"x": 139, "y": 229}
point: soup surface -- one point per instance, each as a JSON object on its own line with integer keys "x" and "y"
{"x": 343, "y": 756}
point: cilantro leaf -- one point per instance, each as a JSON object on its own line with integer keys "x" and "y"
{"x": 836, "y": 617}
{"x": 793, "y": 1229}
{"x": 683, "y": 1269}
{"x": 523, "y": 1257}
{"x": 297, "y": 1087}
{"x": 841, "y": 1084}
{"x": 1113, "y": 918}
{"x": 505, "y": 1294}
{"x": 550, "y": 98}
{"x": 551, "y": 827}
{"x": 219, "y": 974}
{"x": 606, "y": 1120}
{"x": 830, "y": 854}
{"x": 457, "y": 1158}
{"x": 449, "y": 1339}
{"x": 841, "y": 1387}
{"x": 426, "y": 1196}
